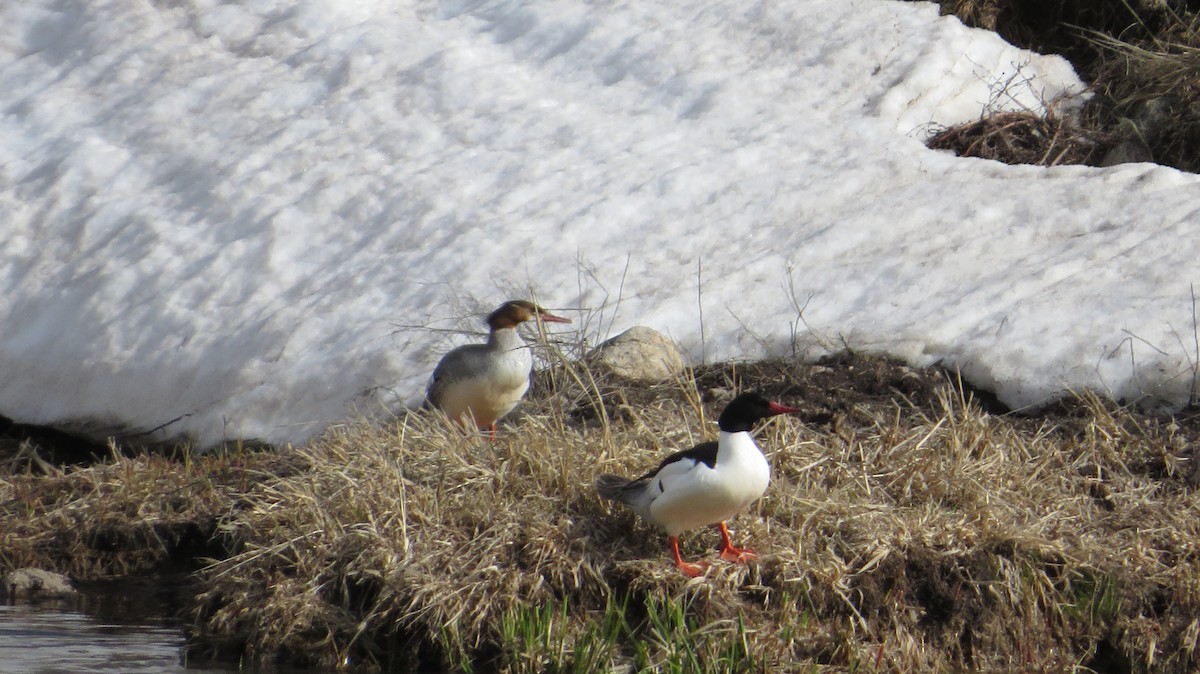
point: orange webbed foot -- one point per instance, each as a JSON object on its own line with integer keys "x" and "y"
{"x": 733, "y": 554}
{"x": 739, "y": 555}
{"x": 691, "y": 569}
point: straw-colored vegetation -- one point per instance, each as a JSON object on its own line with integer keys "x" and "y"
{"x": 115, "y": 516}
{"x": 906, "y": 529}
{"x": 901, "y": 533}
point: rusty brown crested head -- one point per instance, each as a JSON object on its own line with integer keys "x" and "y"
{"x": 514, "y": 312}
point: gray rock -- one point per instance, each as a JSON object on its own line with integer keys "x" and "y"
{"x": 1193, "y": 476}
{"x": 639, "y": 354}
{"x": 36, "y": 584}
{"x": 1131, "y": 150}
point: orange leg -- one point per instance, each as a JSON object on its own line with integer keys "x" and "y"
{"x": 730, "y": 553}
{"x": 693, "y": 570}
{"x": 492, "y": 432}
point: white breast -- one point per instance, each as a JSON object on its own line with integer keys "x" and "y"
{"x": 687, "y": 495}
{"x": 489, "y": 384}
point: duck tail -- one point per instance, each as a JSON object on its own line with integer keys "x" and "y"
{"x": 617, "y": 488}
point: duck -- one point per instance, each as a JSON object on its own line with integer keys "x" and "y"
{"x": 705, "y": 485}
{"x": 478, "y": 384}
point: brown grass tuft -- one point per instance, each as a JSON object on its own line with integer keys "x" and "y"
{"x": 1025, "y": 138}
{"x": 905, "y": 532}
{"x": 1152, "y": 89}
{"x": 121, "y": 516}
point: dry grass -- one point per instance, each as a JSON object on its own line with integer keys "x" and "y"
{"x": 903, "y": 533}
{"x": 906, "y": 529}
{"x": 1153, "y": 87}
{"x": 121, "y": 516}
{"x": 1024, "y": 138}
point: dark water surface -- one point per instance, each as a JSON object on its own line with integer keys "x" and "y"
{"x": 45, "y": 638}
{"x": 125, "y": 627}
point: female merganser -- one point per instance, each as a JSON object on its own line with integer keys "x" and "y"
{"x": 480, "y": 383}
{"x": 706, "y": 484}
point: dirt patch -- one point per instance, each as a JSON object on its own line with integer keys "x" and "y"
{"x": 837, "y": 388}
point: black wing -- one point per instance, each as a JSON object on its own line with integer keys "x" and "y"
{"x": 705, "y": 452}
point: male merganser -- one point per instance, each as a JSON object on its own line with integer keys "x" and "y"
{"x": 480, "y": 383}
{"x": 706, "y": 484}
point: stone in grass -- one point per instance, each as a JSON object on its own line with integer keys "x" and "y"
{"x": 639, "y": 354}
{"x": 35, "y": 584}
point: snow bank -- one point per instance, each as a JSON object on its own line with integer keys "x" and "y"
{"x": 240, "y": 220}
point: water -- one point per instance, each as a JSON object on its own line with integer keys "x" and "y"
{"x": 128, "y": 628}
